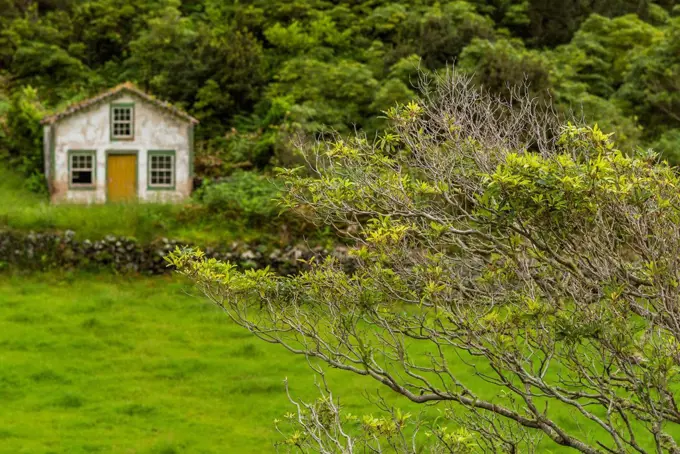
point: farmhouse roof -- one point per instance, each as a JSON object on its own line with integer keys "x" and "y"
{"x": 124, "y": 87}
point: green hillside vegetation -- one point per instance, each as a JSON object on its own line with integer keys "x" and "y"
{"x": 257, "y": 73}
{"x": 116, "y": 364}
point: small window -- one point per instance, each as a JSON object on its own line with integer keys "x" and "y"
{"x": 82, "y": 169}
{"x": 161, "y": 170}
{"x": 122, "y": 121}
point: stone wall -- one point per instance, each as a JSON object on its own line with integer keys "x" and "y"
{"x": 46, "y": 251}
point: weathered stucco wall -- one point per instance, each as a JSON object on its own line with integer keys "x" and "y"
{"x": 47, "y": 138}
{"x": 89, "y": 129}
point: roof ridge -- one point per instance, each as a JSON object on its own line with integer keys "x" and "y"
{"x": 127, "y": 85}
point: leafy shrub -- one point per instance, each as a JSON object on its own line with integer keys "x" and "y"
{"x": 21, "y": 137}
{"x": 668, "y": 145}
{"x": 245, "y": 194}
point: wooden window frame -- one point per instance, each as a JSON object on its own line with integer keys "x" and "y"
{"x": 112, "y": 122}
{"x": 173, "y": 171}
{"x": 85, "y": 187}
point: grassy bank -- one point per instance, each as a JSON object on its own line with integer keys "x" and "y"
{"x": 23, "y": 210}
{"x": 99, "y": 364}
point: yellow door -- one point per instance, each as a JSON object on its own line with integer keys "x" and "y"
{"x": 121, "y": 182}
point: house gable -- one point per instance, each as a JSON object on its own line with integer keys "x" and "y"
{"x": 126, "y": 87}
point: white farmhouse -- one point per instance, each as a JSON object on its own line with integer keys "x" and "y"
{"x": 122, "y": 145}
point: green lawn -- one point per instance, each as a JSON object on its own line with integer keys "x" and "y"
{"x": 111, "y": 365}
{"x": 94, "y": 363}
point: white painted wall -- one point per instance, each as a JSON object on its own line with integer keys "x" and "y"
{"x": 155, "y": 129}
{"x": 47, "y": 130}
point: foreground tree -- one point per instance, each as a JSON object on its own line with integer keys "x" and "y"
{"x": 519, "y": 274}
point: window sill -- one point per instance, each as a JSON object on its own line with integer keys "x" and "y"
{"x": 82, "y": 188}
{"x": 160, "y": 188}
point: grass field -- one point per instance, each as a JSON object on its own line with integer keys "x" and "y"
{"x": 110, "y": 364}
{"x": 103, "y": 364}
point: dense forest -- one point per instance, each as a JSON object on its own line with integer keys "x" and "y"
{"x": 255, "y": 72}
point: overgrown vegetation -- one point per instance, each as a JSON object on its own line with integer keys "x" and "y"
{"x": 258, "y": 72}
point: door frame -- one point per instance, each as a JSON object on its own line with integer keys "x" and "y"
{"x": 134, "y": 153}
